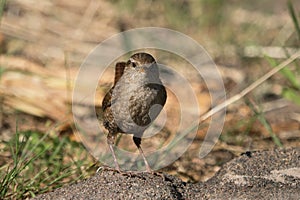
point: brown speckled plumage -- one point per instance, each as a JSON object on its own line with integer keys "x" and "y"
{"x": 134, "y": 101}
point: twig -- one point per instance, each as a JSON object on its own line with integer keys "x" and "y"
{"x": 250, "y": 87}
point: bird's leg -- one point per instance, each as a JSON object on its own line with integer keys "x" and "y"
{"x": 110, "y": 142}
{"x": 137, "y": 142}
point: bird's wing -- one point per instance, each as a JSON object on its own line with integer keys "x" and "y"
{"x": 161, "y": 96}
{"x": 106, "y": 102}
{"x": 119, "y": 70}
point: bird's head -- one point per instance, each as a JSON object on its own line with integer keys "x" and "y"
{"x": 141, "y": 60}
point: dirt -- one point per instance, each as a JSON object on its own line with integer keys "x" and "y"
{"x": 254, "y": 175}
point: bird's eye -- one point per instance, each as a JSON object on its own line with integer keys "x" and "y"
{"x": 133, "y": 64}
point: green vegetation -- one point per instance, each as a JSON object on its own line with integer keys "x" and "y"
{"x": 39, "y": 164}
{"x": 291, "y": 90}
{"x": 2, "y": 6}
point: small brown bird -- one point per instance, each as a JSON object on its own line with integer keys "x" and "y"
{"x": 134, "y": 101}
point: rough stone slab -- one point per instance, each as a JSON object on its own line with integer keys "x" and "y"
{"x": 255, "y": 175}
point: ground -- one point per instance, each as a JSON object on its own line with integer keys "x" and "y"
{"x": 43, "y": 45}
{"x": 276, "y": 175}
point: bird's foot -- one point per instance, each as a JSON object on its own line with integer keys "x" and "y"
{"x": 140, "y": 173}
{"x": 159, "y": 174}
{"x": 129, "y": 173}
{"x": 107, "y": 168}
